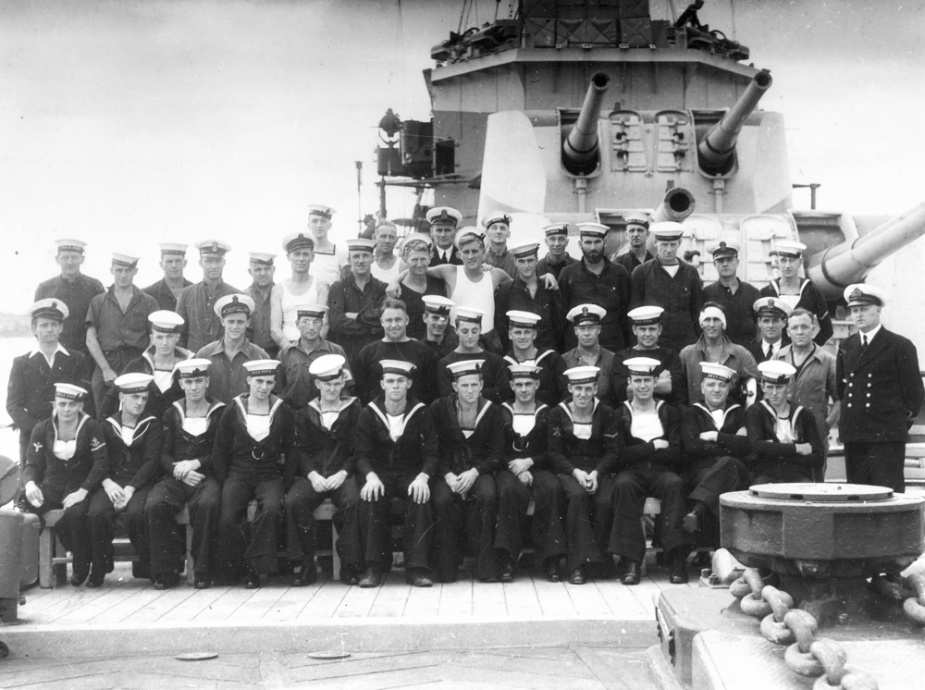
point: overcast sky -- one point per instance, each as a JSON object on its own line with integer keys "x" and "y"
{"x": 129, "y": 124}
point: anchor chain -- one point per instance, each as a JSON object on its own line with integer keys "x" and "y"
{"x": 806, "y": 654}
{"x": 914, "y": 607}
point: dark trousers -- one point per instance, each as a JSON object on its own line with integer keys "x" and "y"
{"x": 72, "y": 529}
{"x": 716, "y": 476}
{"x": 102, "y": 518}
{"x": 879, "y": 464}
{"x": 301, "y": 502}
{"x": 588, "y": 520}
{"x": 781, "y": 473}
{"x": 710, "y": 478}
{"x": 513, "y": 500}
{"x": 167, "y": 538}
{"x": 417, "y": 529}
{"x": 252, "y": 543}
{"x": 549, "y": 537}
{"x": 463, "y": 524}
{"x": 630, "y": 490}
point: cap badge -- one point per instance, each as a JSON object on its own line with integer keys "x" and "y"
{"x": 770, "y": 302}
{"x": 856, "y": 294}
{"x": 444, "y": 215}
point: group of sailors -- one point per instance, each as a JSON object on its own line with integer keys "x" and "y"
{"x": 578, "y": 386}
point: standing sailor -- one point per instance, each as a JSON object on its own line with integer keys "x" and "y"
{"x": 797, "y": 291}
{"x": 261, "y": 270}
{"x": 328, "y": 260}
{"x": 299, "y": 289}
{"x": 75, "y": 290}
{"x": 166, "y": 291}
{"x": 196, "y": 303}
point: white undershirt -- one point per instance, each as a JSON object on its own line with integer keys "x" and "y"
{"x": 646, "y": 426}
{"x": 582, "y": 430}
{"x": 258, "y": 426}
{"x": 784, "y": 430}
{"x": 195, "y": 426}
{"x": 163, "y": 379}
{"x": 719, "y": 416}
{"x": 671, "y": 270}
{"x": 128, "y": 434}
{"x": 396, "y": 426}
{"x": 64, "y": 450}
{"x": 328, "y": 419}
{"x": 523, "y": 423}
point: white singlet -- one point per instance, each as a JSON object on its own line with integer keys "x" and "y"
{"x": 258, "y": 426}
{"x": 195, "y": 426}
{"x": 290, "y": 304}
{"x": 480, "y": 295}
{"x": 386, "y": 275}
{"x": 64, "y": 450}
{"x": 646, "y": 426}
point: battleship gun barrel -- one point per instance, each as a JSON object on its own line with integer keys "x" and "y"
{"x": 850, "y": 262}
{"x": 716, "y": 149}
{"x": 677, "y": 205}
{"x": 580, "y": 151}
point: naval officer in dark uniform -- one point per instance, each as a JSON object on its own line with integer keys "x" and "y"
{"x": 75, "y": 290}
{"x": 877, "y": 373}
{"x": 443, "y": 221}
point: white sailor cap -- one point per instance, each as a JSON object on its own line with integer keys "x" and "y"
{"x": 321, "y": 210}
{"x": 470, "y": 314}
{"x": 641, "y": 366}
{"x": 468, "y": 234}
{"x": 725, "y": 249}
{"x": 438, "y": 304}
{"x": 262, "y": 367}
{"x": 522, "y": 251}
{"x": 298, "y": 240}
{"x": 466, "y": 367}
{"x": 647, "y": 315}
{"x": 69, "y": 391}
{"x": 327, "y": 367}
{"x": 193, "y": 368}
{"x": 310, "y": 311}
{"x": 443, "y": 215}
{"x": 49, "y": 308}
{"x": 586, "y": 313}
{"x": 524, "y": 371}
{"x": 788, "y": 248}
{"x": 593, "y": 230}
{"x": 417, "y": 237}
{"x": 772, "y": 306}
{"x": 127, "y": 260}
{"x": 776, "y": 371}
{"x": 172, "y": 248}
{"x": 165, "y": 321}
{"x": 135, "y": 382}
{"x": 582, "y": 374}
{"x": 556, "y": 229}
{"x": 233, "y": 304}
{"x": 397, "y": 367}
{"x": 716, "y": 371}
{"x": 667, "y": 231}
{"x": 861, "y": 293}
{"x": 637, "y": 218}
{"x": 262, "y": 258}
{"x": 496, "y": 217}
{"x": 213, "y": 248}
{"x": 361, "y": 244}
{"x": 522, "y": 319}
{"x": 71, "y": 245}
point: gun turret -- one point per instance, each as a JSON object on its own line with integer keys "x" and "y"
{"x": 580, "y": 154}
{"x": 851, "y": 261}
{"x": 716, "y": 150}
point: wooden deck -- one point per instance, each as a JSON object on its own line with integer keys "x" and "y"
{"x": 129, "y": 614}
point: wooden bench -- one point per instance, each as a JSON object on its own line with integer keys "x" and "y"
{"x": 53, "y": 559}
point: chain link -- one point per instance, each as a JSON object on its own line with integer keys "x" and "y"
{"x": 914, "y": 607}
{"x": 806, "y": 654}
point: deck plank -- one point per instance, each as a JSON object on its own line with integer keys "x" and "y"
{"x": 588, "y": 600}
{"x": 422, "y": 602}
{"x": 456, "y": 597}
{"x": 86, "y": 608}
{"x": 553, "y": 599}
{"x": 135, "y": 600}
{"x": 191, "y": 607}
{"x": 261, "y": 600}
{"x": 173, "y": 602}
{"x": 289, "y": 605}
{"x": 229, "y": 601}
{"x": 521, "y": 599}
{"x": 393, "y": 598}
{"x": 357, "y": 602}
{"x": 324, "y": 602}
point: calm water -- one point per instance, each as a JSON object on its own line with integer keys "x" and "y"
{"x": 9, "y": 349}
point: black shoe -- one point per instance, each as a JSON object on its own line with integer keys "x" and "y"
{"x": 96, "y": 580}
{"x": 372, "y": 576}
{"x": 202, "y": 580}
{"x": 419, "y": 578}
{"x": 551, "y": 569}
{"x": 251, "y": 579}
{"x": 577, "y": 576}
{"x": 167, "y": 580}
{"x": 308, "y": 574}
{"x": 677, "y": 567}
{"x": 348, "y": 575}
{"x": 78, "y": 578}
{"x": 507, "y": 571}
{"x": 631, "y": 573}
